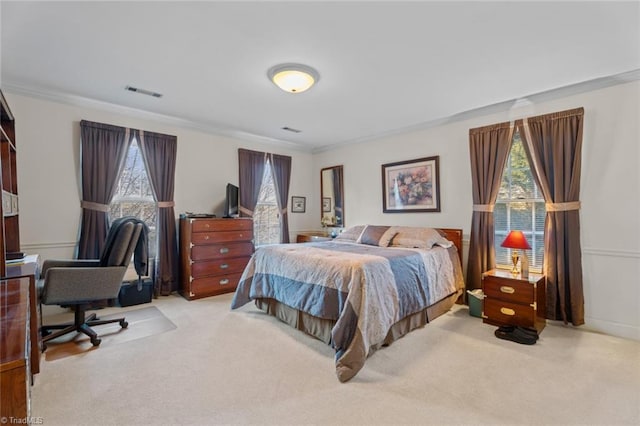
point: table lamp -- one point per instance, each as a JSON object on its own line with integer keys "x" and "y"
{"x": 515, "y": 240}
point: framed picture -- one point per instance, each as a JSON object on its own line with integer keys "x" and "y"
{"x": 411, "y": 186}
{"x": 326, "y": 205}
{"x": 298, "y": 204}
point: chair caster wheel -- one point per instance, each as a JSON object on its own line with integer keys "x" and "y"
{"x": 96, "y": 342}
{"x": 124, "y": 324}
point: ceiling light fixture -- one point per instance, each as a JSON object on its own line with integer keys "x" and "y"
{"x": 293, "y": 78}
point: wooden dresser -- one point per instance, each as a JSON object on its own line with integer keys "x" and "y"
{"x": 15, "y": 370}
{"x": 510, "y": 299}
{"x": 213, "y": 254}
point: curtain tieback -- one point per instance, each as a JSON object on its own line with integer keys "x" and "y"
{"x": 283, "y": 211}
{"x": 561, "y": 207}
{"x": 90, "y": 205}
{"x": 165, "y": 204}
{"x": 483, "y": 208}
{"x": 246, "y": 211}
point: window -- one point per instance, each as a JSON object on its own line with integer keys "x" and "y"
{"x": 519, "y": 206}
{"x": 134, "y": 196}
{"x": 266, "y": 216}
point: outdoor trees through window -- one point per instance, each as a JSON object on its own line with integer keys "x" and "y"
{"x": 266, "y": 216}
{"x": 519, "y": 206}
{"x": 134, "y": 196}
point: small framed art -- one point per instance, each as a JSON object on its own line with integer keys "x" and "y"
{"x": 298, "y": 204}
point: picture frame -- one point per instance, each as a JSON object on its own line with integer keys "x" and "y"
{"x": 298, "y": 204}
{"x": 411, "y": 186}
{"x": 326, "y": 205}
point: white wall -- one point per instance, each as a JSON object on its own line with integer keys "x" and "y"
{"x": 48, "y": 140}
{"x": 610, "y": 214}
{"x": 47, "y": 136}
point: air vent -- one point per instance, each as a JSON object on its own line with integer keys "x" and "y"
{"x": 143, "y": 91}
{"x": 290, "y": 129}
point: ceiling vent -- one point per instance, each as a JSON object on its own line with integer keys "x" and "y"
{"x": 143, "y": 91}
{"x": 290, "y": 129}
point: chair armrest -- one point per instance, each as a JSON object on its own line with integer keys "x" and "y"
{"x": 66, "y": 263}
{"x": 73, "y": 285}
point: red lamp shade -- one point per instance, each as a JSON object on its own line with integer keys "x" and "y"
{"x": 516, "y": 240}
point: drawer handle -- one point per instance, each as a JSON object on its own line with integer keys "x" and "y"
{"x": 241, "y": 235}
{"x": 224, "y": 250}
{"x": 206, "y": 237}
{"x": 507, "y": 289}
{"x": 507, "y": 311}
{"x": 206, "y": 225}
{"x": 224, "y": 266}
{"x": 224, "y": 281}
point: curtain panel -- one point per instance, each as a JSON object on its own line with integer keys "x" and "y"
{"x": 489, "y": 149}
{"x": 103, "y": 150}
{"x": 553, "y": 145}
{"x": 251, "y": 170}
{"x": 281, "y": 178}
{"x": 159, "y": 155}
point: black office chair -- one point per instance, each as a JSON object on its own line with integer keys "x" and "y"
{"x": 79, "y": 283}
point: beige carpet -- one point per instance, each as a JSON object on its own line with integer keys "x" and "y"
{"x": 242, "y": 367}
{"x": 143, "y": 322}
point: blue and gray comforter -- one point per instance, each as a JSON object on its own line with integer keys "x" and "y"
{"x": 364, "y": 289}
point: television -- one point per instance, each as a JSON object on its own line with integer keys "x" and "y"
{"x": 231, "y": 201}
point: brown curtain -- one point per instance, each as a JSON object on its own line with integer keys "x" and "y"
{"x": 251, "y": 165}
{"x": 103, "y": 149}
{"x": 159, "y": 154}
{"x": 281, "y": 169}
{"x": 489, "y": 149}
{"x": 553, "y": 144}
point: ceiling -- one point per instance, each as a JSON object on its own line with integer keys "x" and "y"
{"x": 384, "y": 66}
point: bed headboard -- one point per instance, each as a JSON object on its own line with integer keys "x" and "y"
{"x": 455, "y": 236}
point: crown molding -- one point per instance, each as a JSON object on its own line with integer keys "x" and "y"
{"x": 505, "y": 106}
{"x": 80, "y": 101}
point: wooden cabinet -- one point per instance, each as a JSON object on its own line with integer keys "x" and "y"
{"x": 213, "y": 254}
{"x": 308, "y": 237}
{"x": 510, "y": 299}
{"x": 15, "y": 374}
{"x": 10, "y": 235}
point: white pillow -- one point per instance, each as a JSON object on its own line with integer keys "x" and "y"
{"x": 415, "y": 237}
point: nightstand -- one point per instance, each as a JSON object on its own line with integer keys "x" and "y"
{"x": 312, "y": 237}
{"x": 510, "y": 299}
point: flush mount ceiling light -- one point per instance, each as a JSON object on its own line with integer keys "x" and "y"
{"x": 293, "y": 78}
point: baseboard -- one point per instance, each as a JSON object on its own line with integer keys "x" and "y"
{"x": 625, "y": 331}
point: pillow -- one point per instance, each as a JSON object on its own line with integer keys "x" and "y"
{"x": 377, "y": 235}
{"x": 414, "y": 237}
{"x": 351, "y": 234}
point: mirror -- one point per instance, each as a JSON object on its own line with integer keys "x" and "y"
{"x": 332, "y": 193}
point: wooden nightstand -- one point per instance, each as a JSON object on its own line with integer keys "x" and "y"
{"x": 510, "y": 299}
{"x": 311, "y": 237}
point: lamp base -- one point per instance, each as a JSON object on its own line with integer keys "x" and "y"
{"x": 515, "y": 257}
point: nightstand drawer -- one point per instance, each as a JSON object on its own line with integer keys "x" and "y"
{"x": 502, "y": 312}
{"x": 506, "y": 289}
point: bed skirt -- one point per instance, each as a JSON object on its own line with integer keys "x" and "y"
{"x": 321, "y": 328}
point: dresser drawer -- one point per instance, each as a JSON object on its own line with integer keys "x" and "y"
{"x": 513, "y": 291}
{"x": 218, "y": 266}
{"x": 221, "y": 251}
{"x": 200, "y": 238}
{"x": 209, "y": 286}
{"x": 502, "y": 312}
{"x": 209, "y": 225}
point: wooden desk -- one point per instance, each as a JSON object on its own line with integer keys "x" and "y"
{"x": 14, "y": 349}
{"x": 30, "y": 269}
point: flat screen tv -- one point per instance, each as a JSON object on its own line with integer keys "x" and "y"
{"x": 231, "y": 201}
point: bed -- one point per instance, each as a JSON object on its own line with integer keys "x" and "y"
{"x": 363, "y": 290}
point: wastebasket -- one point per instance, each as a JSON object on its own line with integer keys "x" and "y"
{"x": 476, "y": 298}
